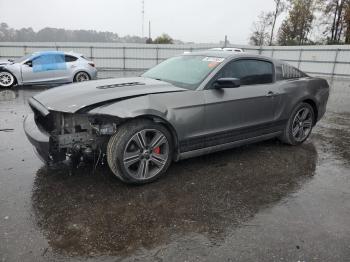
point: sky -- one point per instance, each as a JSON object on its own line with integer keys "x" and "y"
{"x": 200, "y": 21}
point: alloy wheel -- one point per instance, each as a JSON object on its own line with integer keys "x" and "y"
{"x": 146, "y": 154}
{"x": 6, "y": 79}
{"x": 82, "y": 76}
{"x": 302, "y": 124}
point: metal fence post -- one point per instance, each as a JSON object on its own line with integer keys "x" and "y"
{"x": 91, "y": 52}
{"x": 124, "y": 57}
{"x": 25, "y": 49}
{"x": 272, "y": 52}
{"x": 300, "y": 56}
{"x": 260, "y": 50}
{"x": 335, "y": 63}
{"x": 157, "y": 55}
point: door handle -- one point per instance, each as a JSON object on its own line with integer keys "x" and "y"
{"x": 271, "y": 94}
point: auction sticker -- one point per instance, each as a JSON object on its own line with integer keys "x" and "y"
{"x": 214, "y": 59}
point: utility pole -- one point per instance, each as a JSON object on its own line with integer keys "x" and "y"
{"x": 143, "y": 18}
{"x": 149, "y": 30}
{"x": 226, "y": 41}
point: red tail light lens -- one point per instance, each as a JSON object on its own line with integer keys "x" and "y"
{"x": 92, "y": 64}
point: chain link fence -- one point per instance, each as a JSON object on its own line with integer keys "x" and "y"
{"x": 330, "y": 61}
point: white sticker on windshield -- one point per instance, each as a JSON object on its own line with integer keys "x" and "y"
{"x": 214, "y": 59}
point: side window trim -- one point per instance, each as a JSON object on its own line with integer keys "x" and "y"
{"x": 245, "y": 59}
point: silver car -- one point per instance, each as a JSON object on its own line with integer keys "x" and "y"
{"x": 49, "y": 67}
{"x": 189, "y": 105}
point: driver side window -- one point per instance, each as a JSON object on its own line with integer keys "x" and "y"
{"x": 249, "y": 71}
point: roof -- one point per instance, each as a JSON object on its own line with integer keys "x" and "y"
{"x": 55, "y": 52}
{"x": 223, "y": 54}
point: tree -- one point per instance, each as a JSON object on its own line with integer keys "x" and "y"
{"x": 260, "y": 35}
{"x": 163, "y": 39}
{"x": 280, "y": 6}
{"x": 48, "y": 34}
{"x": 297, "y": 26}
{"x": 336, "y": 17}
{"x": 347, "y": 23}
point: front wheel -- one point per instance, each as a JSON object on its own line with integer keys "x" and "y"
{"x": 140, "y": 152}
{"x": 299, "y": 125}
{"x": 7, "y": 79}
{"x": 81, "y": 77}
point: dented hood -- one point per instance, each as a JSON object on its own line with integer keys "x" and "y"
{"x": 74, "y": 97}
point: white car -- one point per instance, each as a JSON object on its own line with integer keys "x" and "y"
{"x": 49, "y": 67}
{"x": 230, "y": 49}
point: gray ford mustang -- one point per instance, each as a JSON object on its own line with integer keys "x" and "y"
{"x": 187, "y": 106}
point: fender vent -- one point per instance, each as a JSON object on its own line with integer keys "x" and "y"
{"x": 121, "y": 85}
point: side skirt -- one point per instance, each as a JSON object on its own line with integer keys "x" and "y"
{"x": 212, "y": 149}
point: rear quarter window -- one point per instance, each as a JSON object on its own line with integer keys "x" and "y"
{"x": 290, "y": 72}
{"x": 70, "y": 58}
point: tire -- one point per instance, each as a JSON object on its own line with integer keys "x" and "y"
{"x": 299, "y": 125}
{"x": 7, "y": 79}
{"x": 81, "y": 77}
{"x": 131, "y": 155}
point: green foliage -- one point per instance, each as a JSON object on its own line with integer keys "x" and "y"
{"x": 296, "y": 27}
{"x": 347, "y": 22}
{"x": 337, "y": 21}
{"x": 163, "y": 39}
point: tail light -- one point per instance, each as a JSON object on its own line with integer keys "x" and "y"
{"x": 92, "y": 64}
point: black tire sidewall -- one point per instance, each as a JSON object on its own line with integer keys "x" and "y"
{"x": 75, "y": 76}
{"x": 289, "y": 129}
{"x": 126, "y": 133}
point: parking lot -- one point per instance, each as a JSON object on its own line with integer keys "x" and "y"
{"x": 262, "y": 202}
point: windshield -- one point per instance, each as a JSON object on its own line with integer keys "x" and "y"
{"x": 22, "y": 59}
{"x": 186, "y": 71}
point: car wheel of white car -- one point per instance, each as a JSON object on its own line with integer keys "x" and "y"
{"x": 7, "y": 79}
{"x": 81, "y": 77}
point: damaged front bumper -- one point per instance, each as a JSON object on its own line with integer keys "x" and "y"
{"x": 38, "y": 138}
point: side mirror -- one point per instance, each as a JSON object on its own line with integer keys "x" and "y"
{"x": 11, "y": 60}
{"x": 227, "y": 83}
{"x": 29, "y": 63}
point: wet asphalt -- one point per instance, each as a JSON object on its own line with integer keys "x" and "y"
{"x": 262, "y": 202}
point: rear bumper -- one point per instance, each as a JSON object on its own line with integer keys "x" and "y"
{"x": 93, "y": 74}
{"x": 37, "y": 138}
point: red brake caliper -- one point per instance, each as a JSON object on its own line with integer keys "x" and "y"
{"x": 157, "y": 150}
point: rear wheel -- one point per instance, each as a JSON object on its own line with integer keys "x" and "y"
{"x": 7, "y": 79}
{"x": 81, "y": 77}
{"x": 299, "y": 125}
{"x": 140, "y": 152}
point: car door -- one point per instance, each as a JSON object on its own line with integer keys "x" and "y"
{"x": 43, "y": 68}
{"x": 66, "y": 73}
{"x": 62, "y": 72}
{"x": 246, "y": 111}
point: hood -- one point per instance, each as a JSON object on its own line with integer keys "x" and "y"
{"x": 74, "y": 97}
{"x": 5, "y": 62}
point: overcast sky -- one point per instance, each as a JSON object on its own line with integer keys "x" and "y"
{"x": 201, "y": 21}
